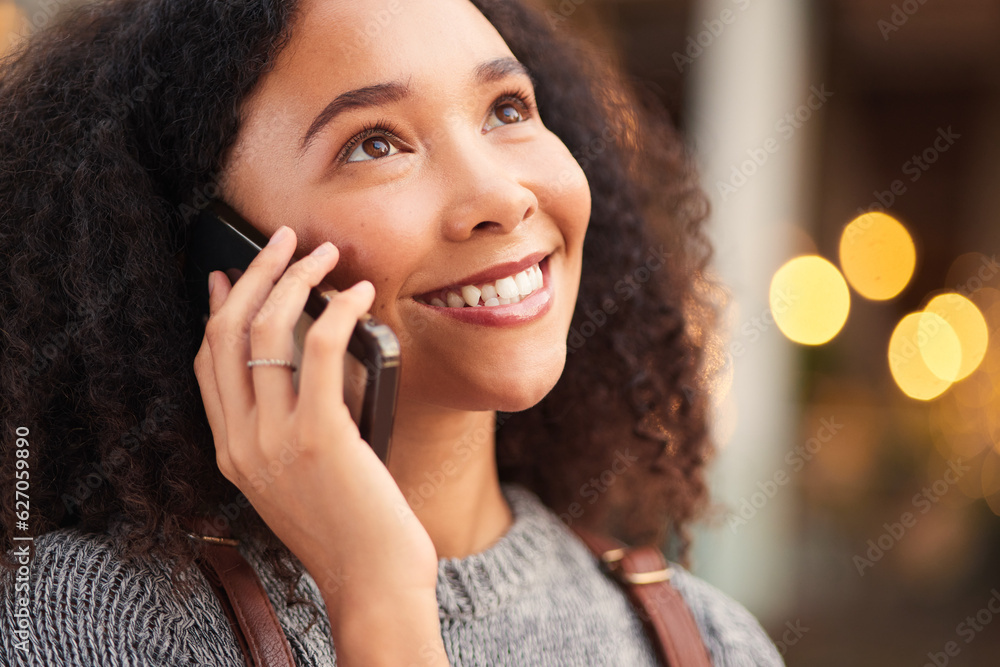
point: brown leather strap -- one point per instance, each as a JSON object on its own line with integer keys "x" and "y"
{"x": 645, "y": 575}
{"x": 642, "y": 571}
{"x": 243, "y": 599}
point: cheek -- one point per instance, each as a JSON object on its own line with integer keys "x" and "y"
{"x": 564, "y": 193}
{"x": 382, "y": 238}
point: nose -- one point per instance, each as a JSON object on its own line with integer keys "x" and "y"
{"x": 488, "y": 192}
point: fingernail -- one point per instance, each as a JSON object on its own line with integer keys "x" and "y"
{"x": 278, "y": 235}
{"x": 211, "y": 282}
{"x": 322, "y": 249}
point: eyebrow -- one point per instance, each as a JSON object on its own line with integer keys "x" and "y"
{"x": 383, "y": 94}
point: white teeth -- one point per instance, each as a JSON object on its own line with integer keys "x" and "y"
{"x": 537, "y": 281}
{"x": 507, "y": 288}
{"x": 511, "y": 289}
{"x": 523, "y": 283}
{"x": 471, "y": 295}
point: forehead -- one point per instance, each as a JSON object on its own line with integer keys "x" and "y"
{"x": 355, "y": 43}
{"x": 431, "y": 46}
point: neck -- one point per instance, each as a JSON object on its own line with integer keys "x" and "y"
{"x": 444, "y": 462}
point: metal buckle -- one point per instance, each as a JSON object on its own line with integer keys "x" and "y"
{"x": 612, "y": 556}
{"x": 612, "y": 559}
{"x": 225, "y": 541}
{"x": 653, "y": 577}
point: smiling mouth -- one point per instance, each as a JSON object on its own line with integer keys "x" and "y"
{"x": 507, "y": 290}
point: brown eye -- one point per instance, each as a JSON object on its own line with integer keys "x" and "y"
{"x": 508, "y": 113}
{"x": 509, "y": 109}
{"x": 375, "y": 146}
{"x": 372, "y": 147}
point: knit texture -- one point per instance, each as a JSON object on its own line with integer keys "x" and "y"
{"x": 536, "y": 597}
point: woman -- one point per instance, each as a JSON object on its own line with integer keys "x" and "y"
{"x": 410, "y": 154}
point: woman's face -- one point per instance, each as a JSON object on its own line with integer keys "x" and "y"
{"x": 397, "y": 131}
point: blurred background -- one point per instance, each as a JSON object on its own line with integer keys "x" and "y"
{"x": 851, "y": 150}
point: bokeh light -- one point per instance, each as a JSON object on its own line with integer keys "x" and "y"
{"x": 968, "y": 323}
{"x": 990, "y": 478}
{"x": 809, "y": 300}
{"x": 939, "y": 346}
{"x": 920, "y": 338}
{"x": 877, "y": 255}
{"x": 970, "y": 272}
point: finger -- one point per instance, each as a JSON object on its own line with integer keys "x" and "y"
{"x": 272, "y": 327}
{"x": 216, "y": 339}
{"x": 232, "y": 309}
{"x": 321, "y": 380}
{"x": 205, "y": 372}
{"x": 232, "y": 384}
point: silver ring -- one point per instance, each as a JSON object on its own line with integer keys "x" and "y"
{"x": 271, "y": 362}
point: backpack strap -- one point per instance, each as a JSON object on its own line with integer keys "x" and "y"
{"x": 644, "y": 574}
{"x": 642, "y": 571}
{"x": 243, "y": 598}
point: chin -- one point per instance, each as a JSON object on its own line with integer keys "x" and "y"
{"x": 512, "y": 387}
{"x": 523, "y": 400}
{"x": 516, "y": 390}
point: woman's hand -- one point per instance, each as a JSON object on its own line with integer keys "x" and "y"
{"x": 332, "y": 502}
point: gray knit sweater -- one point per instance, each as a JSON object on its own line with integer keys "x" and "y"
{"x": 534, "y": 598}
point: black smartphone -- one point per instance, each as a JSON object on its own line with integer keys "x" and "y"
{"x": 220, "y": 240}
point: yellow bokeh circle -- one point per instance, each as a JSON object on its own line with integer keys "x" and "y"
{"x": 923, "y": 351}
{"x": 968, "y": 323}
{"x": 809, "y": 300}
{"x": 877, "y": 255}
{"x": 939, "y": 346}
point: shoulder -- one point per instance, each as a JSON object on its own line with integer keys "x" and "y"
{"x": 80, "y": 602}
{"x": 733, "y": 636}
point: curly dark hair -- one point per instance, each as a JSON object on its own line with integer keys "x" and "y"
{"x": 115, "y": 120}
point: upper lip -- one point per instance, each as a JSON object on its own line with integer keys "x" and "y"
{"x": 496, "y": 271}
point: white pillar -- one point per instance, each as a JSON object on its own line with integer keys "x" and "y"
{"x": 751, "y": 72}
